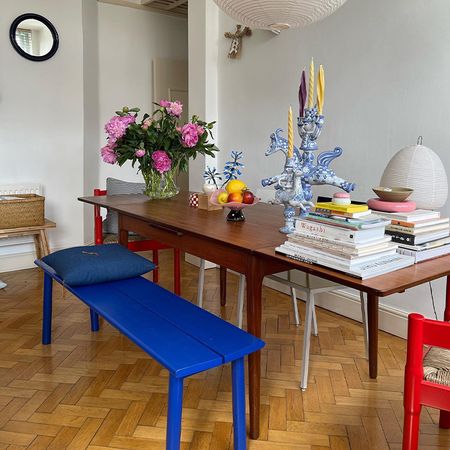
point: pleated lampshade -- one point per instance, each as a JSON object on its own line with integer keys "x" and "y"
{"x": 419, "y": 168}
{"x": 278, "y": 14}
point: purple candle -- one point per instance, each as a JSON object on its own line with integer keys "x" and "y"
{"x": 302, "y": 94}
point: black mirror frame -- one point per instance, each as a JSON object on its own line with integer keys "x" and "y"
{"x": 46, "y": 22}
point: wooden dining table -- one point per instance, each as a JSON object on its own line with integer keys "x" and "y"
{"x": 249, "y": 248}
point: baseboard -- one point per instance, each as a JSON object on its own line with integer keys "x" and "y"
{"x": 17, "y": 261}
{"x": 347, "y": 303}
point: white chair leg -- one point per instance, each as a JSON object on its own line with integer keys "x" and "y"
{"x": 315, "y": 329}
{"x": 295, "y": 306}
{"x": 240, "y": 305}
{"x": 201, "y": 283}
{"x": 364, "y": 321}
{"x": 306, "y": 341}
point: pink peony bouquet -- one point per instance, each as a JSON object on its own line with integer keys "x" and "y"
{"x": 158, "y": 142}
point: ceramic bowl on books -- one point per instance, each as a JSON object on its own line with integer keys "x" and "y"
{"x": 393, "y": 194}
{"x": 235, "y": 214}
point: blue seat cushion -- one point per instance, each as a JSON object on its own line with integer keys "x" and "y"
{"x": 82, "y": 266}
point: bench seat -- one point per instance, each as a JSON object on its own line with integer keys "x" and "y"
{"x": 182, "y": 337}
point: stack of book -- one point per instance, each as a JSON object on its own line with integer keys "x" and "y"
{"x": 422, "y": 234}
{"x": 348, "y": 238}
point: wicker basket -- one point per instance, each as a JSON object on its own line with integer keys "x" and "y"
{"x": 26, "y": 211}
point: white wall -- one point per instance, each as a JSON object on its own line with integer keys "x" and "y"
{"x": 387, "y": 69}
{"x": 41, "y": 117}
{"x": 129, "y": 39}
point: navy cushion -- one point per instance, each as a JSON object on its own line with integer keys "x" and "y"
{"x": 81, "y": 266}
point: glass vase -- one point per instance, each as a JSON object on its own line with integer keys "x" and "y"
{"x": 160, "y": 185}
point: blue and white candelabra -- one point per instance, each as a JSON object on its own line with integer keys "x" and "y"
{"x": 300, "y": 172}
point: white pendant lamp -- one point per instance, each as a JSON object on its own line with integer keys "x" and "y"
{"x": 419, "y": 168}
{"x": 278, "y": 14}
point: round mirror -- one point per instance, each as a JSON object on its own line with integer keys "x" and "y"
{"x": 34, "y": 37}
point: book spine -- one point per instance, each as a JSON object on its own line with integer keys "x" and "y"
{"x": 401, "y": 228}
{"x": 401, "y": 238}
{"x": 343, "y": 208}
{"x": 321, "y": 230}
{"x": 402, "y": 223}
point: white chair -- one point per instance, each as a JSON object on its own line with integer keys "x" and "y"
{"x": 312, "y": 286}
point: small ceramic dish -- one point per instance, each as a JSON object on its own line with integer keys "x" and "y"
{"x": 393, "y": 194}
{"x": 235, "y": 214}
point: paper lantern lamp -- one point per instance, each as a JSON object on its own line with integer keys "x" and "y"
{"x": 419, "y": 168}
{"x": 278, "y": 15}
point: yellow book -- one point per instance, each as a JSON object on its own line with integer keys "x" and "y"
{"x": 352, "y": 208}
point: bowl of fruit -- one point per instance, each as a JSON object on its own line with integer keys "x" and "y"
{"x": 235, "y": 196}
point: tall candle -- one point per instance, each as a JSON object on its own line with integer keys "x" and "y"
{"x": 320, "y": 89}
{"x": 290, "y": 135}
{"x": 311, "y": 85}
{"x": 302, "y": 95}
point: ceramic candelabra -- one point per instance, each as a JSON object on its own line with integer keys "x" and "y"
{"x": 300, "y": 172}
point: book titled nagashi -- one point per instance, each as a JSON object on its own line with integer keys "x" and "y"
{"x": 318, "y": 230}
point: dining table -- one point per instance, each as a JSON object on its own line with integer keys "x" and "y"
{"x": 248, "y": 247}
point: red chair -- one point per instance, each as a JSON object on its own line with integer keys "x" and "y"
{"x": 138, "y": 244}
{"x": 432, "y": 386}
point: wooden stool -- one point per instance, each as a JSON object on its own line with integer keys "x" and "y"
{"x": 39, "y": 233}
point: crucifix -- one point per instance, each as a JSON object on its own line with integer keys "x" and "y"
{"x": 236, "y": 40}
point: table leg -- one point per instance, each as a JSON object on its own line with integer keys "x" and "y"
{"x": 123, "y": 234}
{"x": 447, "y": 301}
{"x": 44, "y": 242}
{"x": 223, "y": 286}
{"x": 372, "y": 319}
{"x": 255, "y": 278}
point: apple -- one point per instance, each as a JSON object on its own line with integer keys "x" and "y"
{"x": 248, "y": 197}
{"x": 222, "y": 197}
{"x": 235, "y": 197}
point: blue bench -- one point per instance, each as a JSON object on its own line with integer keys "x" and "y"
{"x": 182, "y": 337}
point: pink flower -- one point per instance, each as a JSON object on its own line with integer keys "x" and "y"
{"x": 161, "y": 161}
{"x": 164, "y": 103}
{"x": 139, "y": 153}
{"x": 108, "y": 154}
{"x": 175, "y": 109}
{"x": 117, "y": 126}
{"x": 146, "y": 123}
{"x": 200, "y": 130}
{"x": 189, "y": 135}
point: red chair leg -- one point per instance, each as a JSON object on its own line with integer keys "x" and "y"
{"x": 176, "y": 271}
{"x": 411, "y": 430}
{"x": 156, "y": 262}
{"x": 444, "y": 419}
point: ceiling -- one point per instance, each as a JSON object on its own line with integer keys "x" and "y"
{"x": 172, "y": 7}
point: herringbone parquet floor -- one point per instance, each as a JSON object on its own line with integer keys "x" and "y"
{"x": 99, "y": 391}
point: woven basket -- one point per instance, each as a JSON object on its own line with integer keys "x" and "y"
{"x": 26, "y": 211}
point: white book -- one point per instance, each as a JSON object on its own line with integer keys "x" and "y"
{"x": 413, "y": 216}
{"x": 426, "y": 254}
{"x": 363, "y": 271}
{"x": 309, "y": 228}
{"x": 426, "y": 245}
{"x": 346, "y": 263}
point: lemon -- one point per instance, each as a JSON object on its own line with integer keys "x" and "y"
{"x": 235, "y": 186}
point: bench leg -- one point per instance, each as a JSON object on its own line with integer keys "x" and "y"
{"x": 95, "y": 326}
{"x": 173, "y": 433}
{"x": 238, "y": 382}
{"x": 47, "y": 310}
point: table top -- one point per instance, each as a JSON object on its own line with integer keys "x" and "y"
{"x": 260, "y": 229}
{"x": 259, "y": 235}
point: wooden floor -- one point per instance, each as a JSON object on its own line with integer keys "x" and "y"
{"x": 99, "y": 391}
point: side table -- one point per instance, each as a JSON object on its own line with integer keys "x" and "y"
{"x": 39, "y": 233}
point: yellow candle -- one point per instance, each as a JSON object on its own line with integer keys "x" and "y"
{"x": 290, "y": 135}
{"x": 311, "y": 85}
{"x": 320, "y": 89}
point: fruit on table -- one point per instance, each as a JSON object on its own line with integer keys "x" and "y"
{"x": 235, "y": 197}
{"x": 222, "y": 197}
{"x": 248, "y": 197}
{"x": 235, "y": 186}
